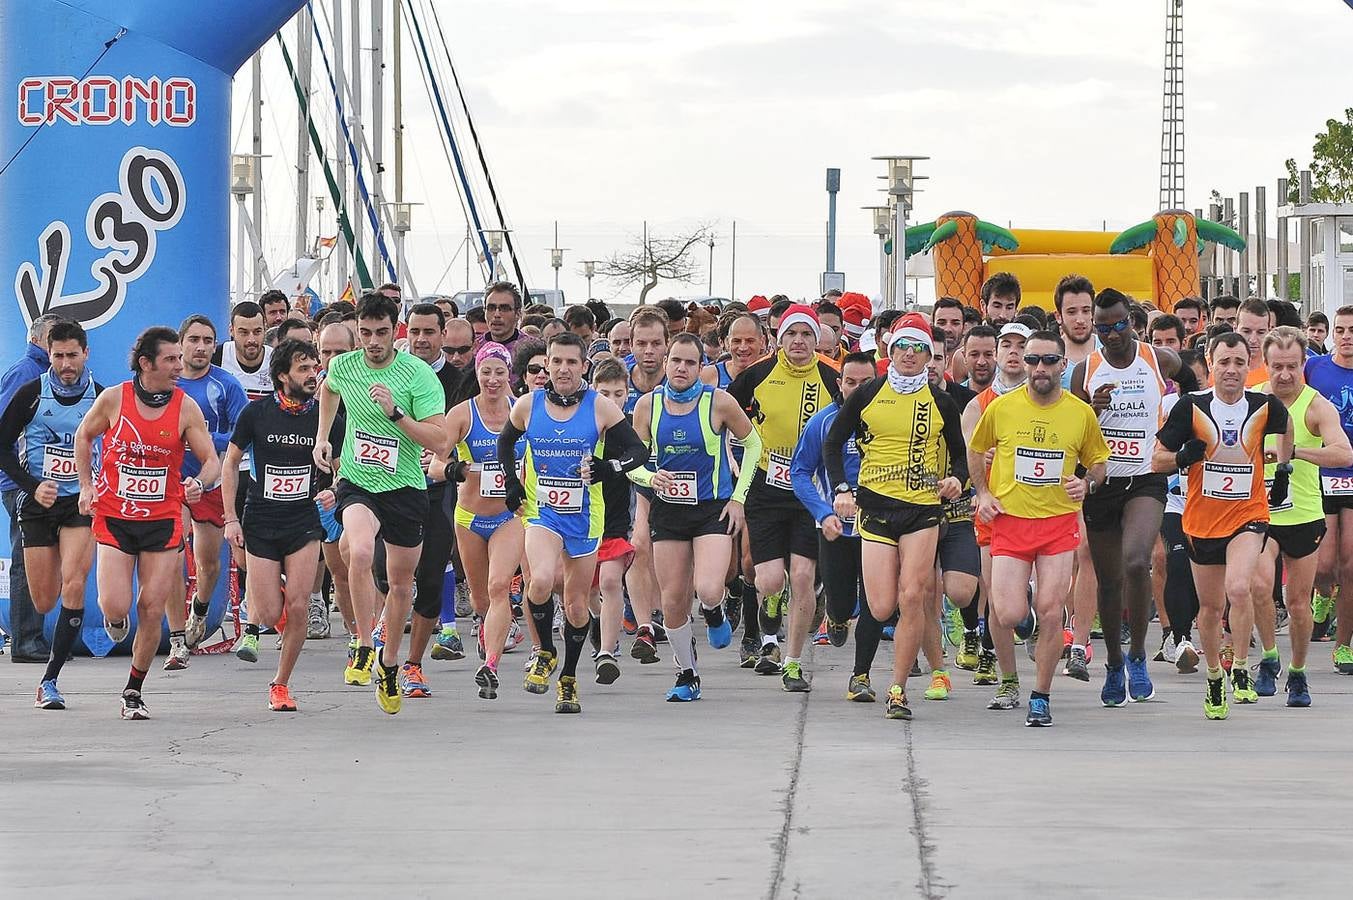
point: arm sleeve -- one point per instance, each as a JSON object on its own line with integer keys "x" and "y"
{"x": 1277, "y": 417}
{"x": 751, "y": 454}
{"x": 953, "y": 436}
{"x": 18, "y": 413}
{"x": 807, "y": 458}
{"x": 1186, "y": 378}
{"x": 846, "y": 423}
{"x": 1178, "y": 427}
{"x": 631, "y": 453}
{"x": 507, "y": 453}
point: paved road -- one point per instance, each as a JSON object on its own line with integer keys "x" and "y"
{"x": 749, "y": 793}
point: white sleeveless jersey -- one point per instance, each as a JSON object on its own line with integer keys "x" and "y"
{"x": 1135, "y": 411}
{"x": 256, "y": 384}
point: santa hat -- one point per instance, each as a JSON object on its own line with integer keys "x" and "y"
{"x": 798, "y": 314}
{"x": 913, "y": 327}
{"x": 759, "y": 305}
{"x": 852, "y": 299}
{"x": 853, "y": 321}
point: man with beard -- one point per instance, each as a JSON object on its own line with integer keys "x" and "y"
{"x": 1000, "y": 298}
{"x": 1074, "y": 299}
{"x": 979, "y": 356}
{"x": 221, "y": 398}
{"x": 502, "y": 315}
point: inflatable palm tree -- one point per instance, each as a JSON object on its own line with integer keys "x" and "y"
{"x": 959, "y": 240}
{"x": 1175, "y": 241}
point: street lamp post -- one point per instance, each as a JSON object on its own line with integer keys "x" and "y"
{"x": 710, "y": 289}
{"x": 402, "y": 215}
{"x": 556, "y": 257}
{"x": 900, "y": 193}
{"x": 494, "y": 236}
{"x": 883, "y": 227}
{"x": 243, "y": 183}
{"x": 589, "y": 270}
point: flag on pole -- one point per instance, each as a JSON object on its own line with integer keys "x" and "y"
{"x": 347, "y": 294}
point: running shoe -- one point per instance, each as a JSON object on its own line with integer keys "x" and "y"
{"x": 1214, "y": 699}
{"x": 1343, "y": 659}
{"x": 1007, "y": 695}
{"x": 479, "y": 642}
{"x": 1024, "y": 629}
{"x": 627, "y": 621}
{"x": 133, "y": 707}
{"x": 412, "y": 682}
{"x": 659, "y": 633}
{"x": 768, "y": 663}
{"x": 820, "y": 638}
{"x": 859, "y": 690}
{"x": 1241, "y": 687}
{"x": 1321, "y": 608}
{"x": 1114, "y": 692}
{"x": 358, "y": 671}
{"x": 732, "y": 607}
{"x": 940, "y": 686}
{"x": 177, "y": 658}
{"x": 915, "y": 668}
{"x": 538, "y": 679}
{"x": 887, "y": 632}
{"x": 608, "y": 670}
{"x": 1140, "y": 688}
{"x": 1040, "y": 713}
{"x": 280, "y": 699}
{"x": 49, "y": 697}
{"x": 594, "y": 634}
{"x": 837, "y": 632}
{"x": 1077, "y": 665}
{"x": 1124, "y": 634}
{"x": 1281, "y": 619}
{"x": 1031, "y": 646}
{"x": 1266, "y": 678}
{"x": 1096, "y": 630}
{"x": 195, "y": 629}
{"x": 1298, "y": 693}
{"x": 1163, "y": 652}
{"x": 448, "y": 644}
{"x": 1068, "y": 638}
{"x": 897, "y": 704}
{"x": 515, "y": 635}
{"x": 772, "y": 604}
{"x": 117, "y": 633}
{"x": 387, "y": 688}
{"x": 566, "y": 697}
{"x": 317, "y": 624}
{"x": 720, "y": 632}
{"x": 559, "y": 619}
{"x": 644, "y": 647}
{"x": 953, "y": 624}
{"x": 464, "y": 609}
{"x": 378, "y": 633}
{"x": 247, "y": 648}
{"x": 352, "y": 648}
{"x": 1228, "y": 656}
{"x": 686, "y": 689}
{"x": 748, "y": 654}
{"x": 968, "y": 650}
{"x": 487, "y": 679}
{"x": 793, "y": 680}
{"x": 986, "y": 668}
{"x": 1186, "y": 657}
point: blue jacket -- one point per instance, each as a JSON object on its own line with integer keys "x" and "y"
{"x": 808, "y": 472}
{"x": 35, "y": 361}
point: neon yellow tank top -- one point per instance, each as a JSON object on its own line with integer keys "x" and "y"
{"x": 1303, "y": 502}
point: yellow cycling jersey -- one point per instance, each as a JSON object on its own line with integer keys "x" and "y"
{"x": 780, "y": 398}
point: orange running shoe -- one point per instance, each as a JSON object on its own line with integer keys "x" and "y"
{"x": 412, "y": 681}
{"x": 280, "y": 699}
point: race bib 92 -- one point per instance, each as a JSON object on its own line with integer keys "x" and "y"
{"x": 563, "y": 495}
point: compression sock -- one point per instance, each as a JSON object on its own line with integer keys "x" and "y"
{"x": 751, "y": 623}
{"x": 543, "y": 616}
{"x": 867, "y": 635}
{"x": 574, "y": 639}
{"x": 251, "y": 628}
{"x": 449, "y": 597}
{"x": 1271, "y": 653}
{"x": 969, "y": 614}
{"x": 987, "y": 643}
{"x": 683, "y": 646}
{"x": 1038, "y": 695}
{"x": 135, "y": 679}
{"x": 200, "y": 606}
{"x": 1299, "y": 670}
{"x": 67, "y": 627}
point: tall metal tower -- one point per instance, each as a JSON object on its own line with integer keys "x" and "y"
{"x": 1172, "y": 110}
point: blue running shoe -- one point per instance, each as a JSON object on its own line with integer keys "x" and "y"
{"x": 686, "y": 689}
{"x": 1114, "y": 692}
{"x": 1266, "y": 679}
{"x": 720, "y": 632}
{"x": 1298, "y": 694}
{"x": 1040, "y": 712}
{"x": 50, "y": 698}
{"x": 1139, "y": 681}
{"x": 888, "y": 632}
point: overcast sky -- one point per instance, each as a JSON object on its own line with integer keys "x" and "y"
{"x": 601, "y": 114}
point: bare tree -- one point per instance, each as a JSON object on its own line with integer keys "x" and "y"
{"x": 649, "y": 259}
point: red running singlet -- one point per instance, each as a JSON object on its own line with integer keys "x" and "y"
{"x": 141, "y": 475}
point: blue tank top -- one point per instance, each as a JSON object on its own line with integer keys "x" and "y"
{"x": 49, "y": 439}
{"x": 1334, "y": 383}
{"x": 633, "y": 395}
{"x": 721, "y": 370}
{"x": 554, "y": 454}
{"x": 687, "y": 446}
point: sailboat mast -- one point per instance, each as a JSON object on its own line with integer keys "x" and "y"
{"x": 355, "y": 109}
{"x": 378, "y": 113}
{"x": 341, "y": 159}
{"x": 257, "y": 71}
{"x": 304, "y": 40}
{"x": 399, "y": 102}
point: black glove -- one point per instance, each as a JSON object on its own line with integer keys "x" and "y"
{"x": 1192, "y": 452}
{"x": 1282, "y": 477}
{"x": 455, "y": 471}
{"x": 601, "y": 468}
{"x": 515, "y": 496}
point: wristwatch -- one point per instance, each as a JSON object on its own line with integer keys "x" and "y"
{"x": 1093, "y": 485}
{"x": 396, "y": 414}
{"x": 843, "y": 488}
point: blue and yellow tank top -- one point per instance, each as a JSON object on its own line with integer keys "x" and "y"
{"x": 688, "y": 447}
{"x": 554, "y": 455}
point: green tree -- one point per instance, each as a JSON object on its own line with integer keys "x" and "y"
{"x": 1331, "y": 164}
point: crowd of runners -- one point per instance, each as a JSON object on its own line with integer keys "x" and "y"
{"x": 957, "y": 484}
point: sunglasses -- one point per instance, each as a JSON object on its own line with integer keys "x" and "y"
{"x": 1047, "y": 359}
{"x": 915, "y": 346}
{"x": 457, "y": 351}
{"x": 1120, "y": 326}
{"x": 534, "y": 369}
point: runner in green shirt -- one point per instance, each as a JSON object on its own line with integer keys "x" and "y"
{"x": 394, "y": 407}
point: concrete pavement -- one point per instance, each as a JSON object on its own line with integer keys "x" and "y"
{"x": 748, "y": 793}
